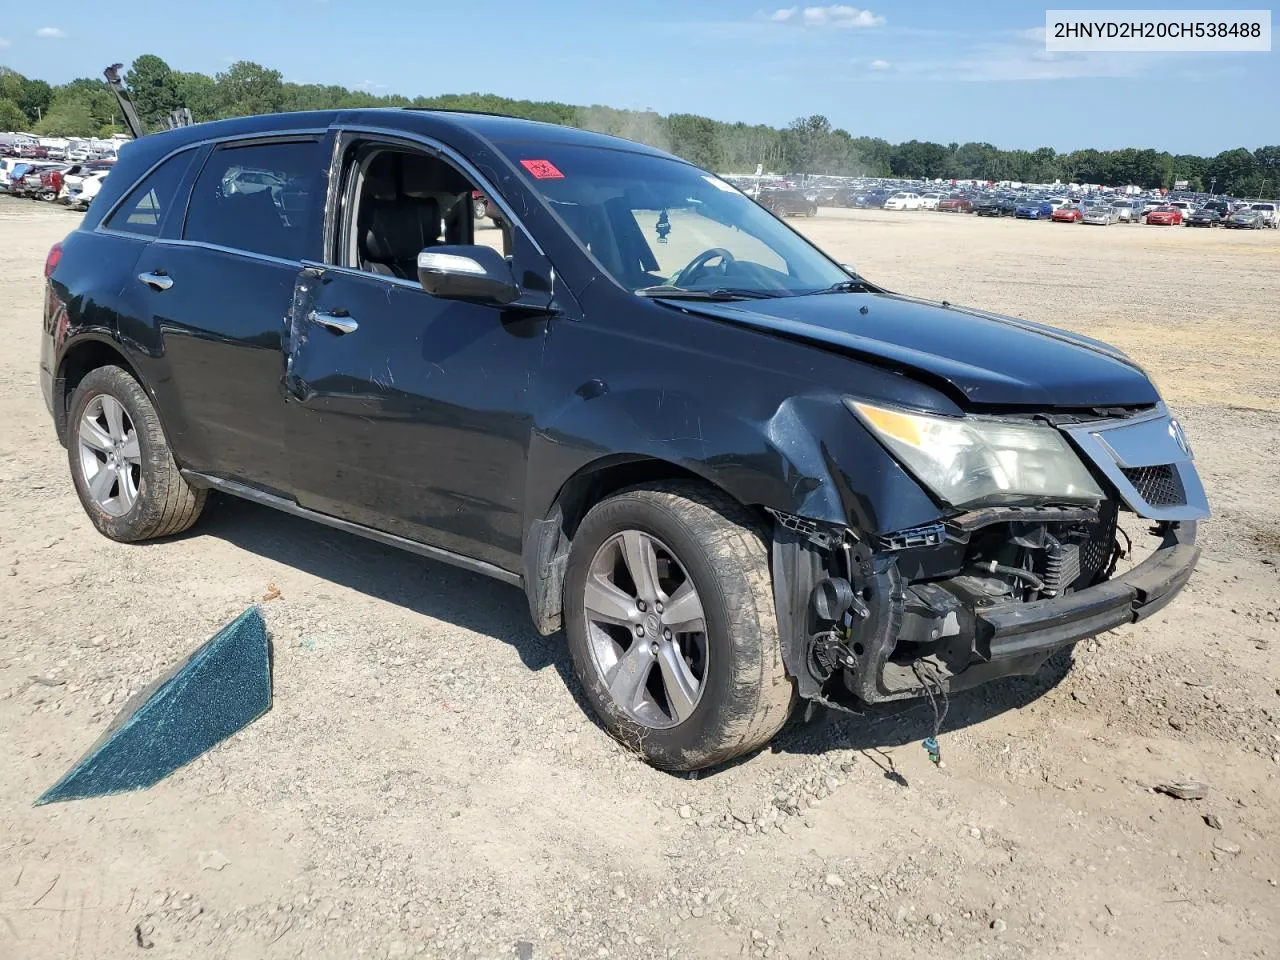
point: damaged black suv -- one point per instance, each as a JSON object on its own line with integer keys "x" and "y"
{"x": 734, "y": 471}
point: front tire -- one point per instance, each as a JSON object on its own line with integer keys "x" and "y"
{"x": 670, "y": 620}
{"x": 123, "y": 470}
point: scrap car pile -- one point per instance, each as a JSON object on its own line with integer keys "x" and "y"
{"x": 1057, "y": 203}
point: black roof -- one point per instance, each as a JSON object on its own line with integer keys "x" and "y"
{"x": 493, "y": 127}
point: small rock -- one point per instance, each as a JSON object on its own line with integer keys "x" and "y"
{"x": 699, "y": 911}
{"x": 524, "y": 950}
{"x": 975, "y": 833}
{"x": 999, "y": 926}
{"x": 833, "y": 880}
{"x": 686, "y": 812}
{"x": 1177, "y": 723}
{"x": 1184, "y": 790}
{"x": 1226, "y": 848}
{"x": 1212, "y": 821}
{"x": 935, "y": 919}
{"x": 757, "y": 935}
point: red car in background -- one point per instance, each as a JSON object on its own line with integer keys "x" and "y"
{"x": 956, "y": 204}
{"x": 1068, "y": 214}
{"x": 1165, "y": 217}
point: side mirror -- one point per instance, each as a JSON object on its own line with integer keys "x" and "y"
{"x": 475, "y": 272}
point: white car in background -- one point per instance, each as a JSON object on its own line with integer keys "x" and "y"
{"x": 1059, "y": 202}
{"x": 80, "y": 194}
{"x": 1186, "y": 206}
{"x": 903, "y": 201}
{"x": 1269, "y": 211}
{"x": 930, "y": 201}
{"x": 6, "y": 168}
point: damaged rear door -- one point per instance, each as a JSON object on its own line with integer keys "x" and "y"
{"x": 407, "y": 413}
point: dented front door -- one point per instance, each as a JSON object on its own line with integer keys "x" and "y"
{"x": 410, "y": 414}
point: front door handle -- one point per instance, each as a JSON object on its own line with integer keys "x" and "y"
{"x": 337, "y": 322}
{"x": 156, "y": 281}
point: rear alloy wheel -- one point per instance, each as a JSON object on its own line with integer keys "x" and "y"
{"x": 670, "y": 621}
{"x": 124, "y": 473}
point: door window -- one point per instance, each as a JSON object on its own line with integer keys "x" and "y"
{"x": 146, "y": 206}
{"x": 260, "y": 197}
{"x": 406, "y": 200}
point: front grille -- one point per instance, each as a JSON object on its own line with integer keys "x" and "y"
{"x": 1159, "y": 486}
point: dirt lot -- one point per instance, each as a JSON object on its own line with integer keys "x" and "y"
{"x": 427, "y": 783}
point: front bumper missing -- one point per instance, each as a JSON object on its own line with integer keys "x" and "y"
{"x": 1015, "y": 639}
{"x": 982, "y": 640}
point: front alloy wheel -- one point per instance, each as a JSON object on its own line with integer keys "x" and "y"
{"x": 646, "y": 629}
{"x": 669, "y": 615}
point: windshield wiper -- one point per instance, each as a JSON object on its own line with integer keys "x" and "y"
{"x": 847, "y": 286}
{"x": 720, "y": 293}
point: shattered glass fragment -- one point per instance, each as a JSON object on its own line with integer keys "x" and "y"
{"x": 222, "y": 687}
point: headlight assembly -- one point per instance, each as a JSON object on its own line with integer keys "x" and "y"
{"x": 970, "y": 462}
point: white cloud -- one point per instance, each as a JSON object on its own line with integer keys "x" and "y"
{"x": 835, "y": 15}
{"x": 4, "y": 42}
{"x": 879, "y": 64}
{"x": 1034, "y": 34}
{"x": 51, "y": 33}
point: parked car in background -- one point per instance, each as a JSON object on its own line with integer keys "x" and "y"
{"x": 1100, "y": 214}
{"x": 81, "y": 193}
{"x": 870, "y": 200}
{"x": 1205, "y": 217}
{"x": 1186, "y": 206}
{"x": 788, "y": 202}
{"x": 1126, "y": 211}
{"x": 956, "y": 203}
{"x": 1069, "y": 213}
{"x": 1165, "y": 216}
{"x": 995, "y": 206}
{"x": 1245, "y": 219}
{"x": 903, "y": 201}
{"x": 1268, "y": 211}
{"x": 7, "y": 165}
{"x": 930, "y": 201}
{"x": 1034, "y": 210}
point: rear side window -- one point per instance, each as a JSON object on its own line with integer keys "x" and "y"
{"x": 144, "y": 209}
{"x": 260, "y": 198}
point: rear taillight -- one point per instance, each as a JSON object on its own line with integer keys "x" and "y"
{"x": 51, "y": 261}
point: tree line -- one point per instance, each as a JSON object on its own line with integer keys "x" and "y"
{"x": 86, "y": 107}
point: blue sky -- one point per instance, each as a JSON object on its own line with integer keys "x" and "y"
{"x": 930, "y": 70}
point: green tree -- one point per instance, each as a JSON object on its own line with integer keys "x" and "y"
{"x": 12, "y": 119}
{"x": 154, "y": 90}
{"x": 919, "y": 160}
{"x": 198, "y": 93}
{"x": 248, "y": 88}
{"x": 69, "y": 117}
{"x": 803, "y": 142}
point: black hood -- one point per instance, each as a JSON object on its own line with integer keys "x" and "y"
{"x": 987, "y": 359}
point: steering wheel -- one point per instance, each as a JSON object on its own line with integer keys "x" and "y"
{"x": 699, "y": 263}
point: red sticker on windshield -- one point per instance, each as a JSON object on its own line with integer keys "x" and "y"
{"x": 542, "y": 169}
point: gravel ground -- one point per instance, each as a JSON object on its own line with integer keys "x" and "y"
{"x": 428, "y": 783}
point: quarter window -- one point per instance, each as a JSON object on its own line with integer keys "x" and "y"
{"x": 261, "y": 198}
{"x": 145, "y": 208}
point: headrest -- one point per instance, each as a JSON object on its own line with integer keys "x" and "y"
{"x": 380, "y": 178}
{"x": 427, "y": 176}
{"x": 393, "y": 232}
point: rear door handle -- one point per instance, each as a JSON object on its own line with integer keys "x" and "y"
{"x": 337, "y": 322}
{"x": 156, "y": 281}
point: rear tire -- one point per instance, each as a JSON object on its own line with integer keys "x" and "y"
{"x": 123, "y": 470}
{"x": 736, "y": 693}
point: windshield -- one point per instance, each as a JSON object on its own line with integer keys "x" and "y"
{"x": 651, "y": 221}
{"x": 1263, "y": 206}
